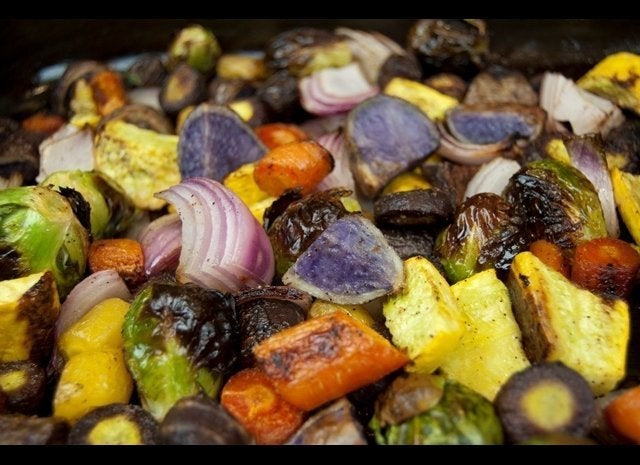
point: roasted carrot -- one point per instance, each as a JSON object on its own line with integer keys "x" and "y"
{"x": 108, "y": 91}
{"x": 606, "y": 266}
{"x": 276, "y": 134}
{"x": 623, "y": 414}
{"x": 551, "y": 255}
{"x": 253, "y": 401}
{"x": 296, "y": 164}
{"x": 324, "y": 358}
{"x": 123, "y": 255}
{"x": 43, "y": 123}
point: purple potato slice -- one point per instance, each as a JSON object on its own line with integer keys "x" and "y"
{"x": 351, "y": 262}
{"x": 214, "y": 142}
{"x": 490, "y": 124}
{"x": 387, "y": 136}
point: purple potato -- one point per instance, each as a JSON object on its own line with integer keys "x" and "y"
{"x": 490, "y": 124}
{"x": 387, "y": 136}
{"x": 349, "y": 263}
{"x": 214, "y": 142}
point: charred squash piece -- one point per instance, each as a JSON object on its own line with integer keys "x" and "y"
{"x": 325, "y": 358}
{"x": 544, "y": 399}
{"x": 561, "y": 322}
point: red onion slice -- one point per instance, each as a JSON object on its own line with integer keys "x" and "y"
{"x": 492, "y": 177}
{"x": 223, "y": 245}
{"x": 87, "y": 294}
{"x": 467, "y": 154}
{"x": 161, "y": 242}
{"x": 335, "y": 90}
{"x": 341, "y": 175}
{"x": 69, "y": 148}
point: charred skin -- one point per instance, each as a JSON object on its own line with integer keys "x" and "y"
{"x": 23, "y": 384}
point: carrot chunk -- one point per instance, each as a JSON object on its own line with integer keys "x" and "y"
{"x": 123, "y": 255}
{"x": 551, "y": 255}
{"x": 44, "y": 123}
{"x": 623, "y": 414}
{"x": 296, "y": 164}
{"x": 108, "y": 91}
{"x": 276, "y": 134}
{"x": 253, "y": 401}
{"x": 325, "y": 358}
{"x": 606, "y": 266}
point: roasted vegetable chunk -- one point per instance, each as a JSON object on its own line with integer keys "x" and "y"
{"x": 39, "y": 231}
{"x": 561, "y": 322}
{"x": 459, "y": 416}
{"x": 324, "y": 358}
{"x": 29, "y": 308}
{"x": 200, "y": 420}
{"x": 179, "y": 340}
{"x": 115, "y": 424}
{"x": 543, "y": 399}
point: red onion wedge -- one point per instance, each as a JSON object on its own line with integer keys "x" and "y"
{"x": 587, "y": 155}
{"x": 341, "y": 175}
{"x": 223, "y": 245}
{"x": 335, "y": 90}
{"x": 587, "y": 113}
{"x": 467, "y": 154}
{"x": 69, "y": 148}
{"x": 89, "y": 292}
{"x": 161, "y": 242}
{"x": 492, "y": 177}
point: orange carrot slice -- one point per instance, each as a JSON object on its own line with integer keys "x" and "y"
{"x": 276, "y": 134}
{"x": 550, "y": 254}
{"x": 623, "y": 414}
{"x": 325, "y": 358}
{"x": 296, "y": 164}
{"x": 253, "y": 401}
{"x": 606, "y": 266}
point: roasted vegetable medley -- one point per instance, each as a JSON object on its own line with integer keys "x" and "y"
{"x": 336, "y": 239}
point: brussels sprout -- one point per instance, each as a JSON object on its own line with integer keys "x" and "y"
{"x": 481, "y": 236}
{"x": 197, "y": 46}
{"x": 179, "y": 340}
{"x": 452, "y": 45}
{"x": 39, "y": 231}
{"x": 556, "y": 202}
{"x": 112, "y": 211}
{"x": 461, "y": 416}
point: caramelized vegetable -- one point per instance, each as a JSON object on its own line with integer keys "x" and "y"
{"x": 108, "y": 91}
{"x": 179, "y": 341}
{"x": 31, "y": 430}
{"x": 276, "y": 134}
{"x": 252, "y": 400}
{"x": 22, "y": 384}
{"x": 551, "y": 255}
{"x": 623, "y": 414}
{"x": 115, "y": 424}
{"x": 545, "y": 398}
{"x": 201, "y": 420}
{"x": 29, "y": 308}
{"x": 123, "y": 255}
{"x": 561, "y": 322}
{"x": 606, "y": 266}
{"x": 333, "y": 425}
{"x": 91, "y": 379}
{"x": 325, "y": 358}
{"x": 293, "y": 165}
{"x": 424, "y": 318}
